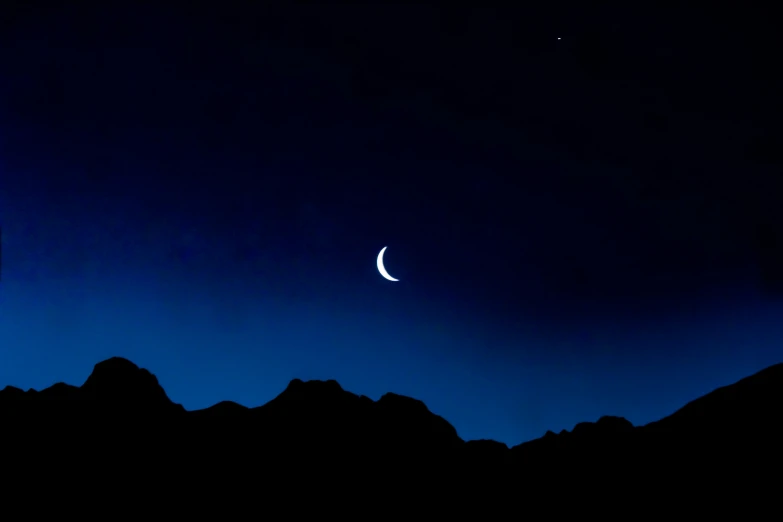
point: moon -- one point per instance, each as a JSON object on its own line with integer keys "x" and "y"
{"x": 381, "y": 268}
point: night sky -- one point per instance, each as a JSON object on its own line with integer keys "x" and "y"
{"x": 582, "y": 206}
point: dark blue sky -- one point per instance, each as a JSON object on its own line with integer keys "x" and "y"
{"x": 581, "y": 227}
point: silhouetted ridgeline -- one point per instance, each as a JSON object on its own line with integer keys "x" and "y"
{"x": 120, "y": 427}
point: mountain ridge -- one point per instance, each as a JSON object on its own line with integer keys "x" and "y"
{"x": 349, "y": 451}
{"x": 119, "y": 380}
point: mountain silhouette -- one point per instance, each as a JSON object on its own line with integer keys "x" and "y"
{"x": 317, "y": 437}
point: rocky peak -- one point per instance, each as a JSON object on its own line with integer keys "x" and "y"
{"x": 299, "y": 386}
{"x": 11, "y": 393}
{"x": 606, "y": 426}
{"x": 120, "y": 381}
{"x": 312, "y": 391}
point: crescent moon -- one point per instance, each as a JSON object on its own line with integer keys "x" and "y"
{"x": 381, "y": 268}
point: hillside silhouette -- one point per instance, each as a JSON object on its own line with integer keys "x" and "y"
{"x": 120, "y": 427}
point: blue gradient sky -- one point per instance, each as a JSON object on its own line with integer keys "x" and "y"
{"x": 213, "y": 211}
